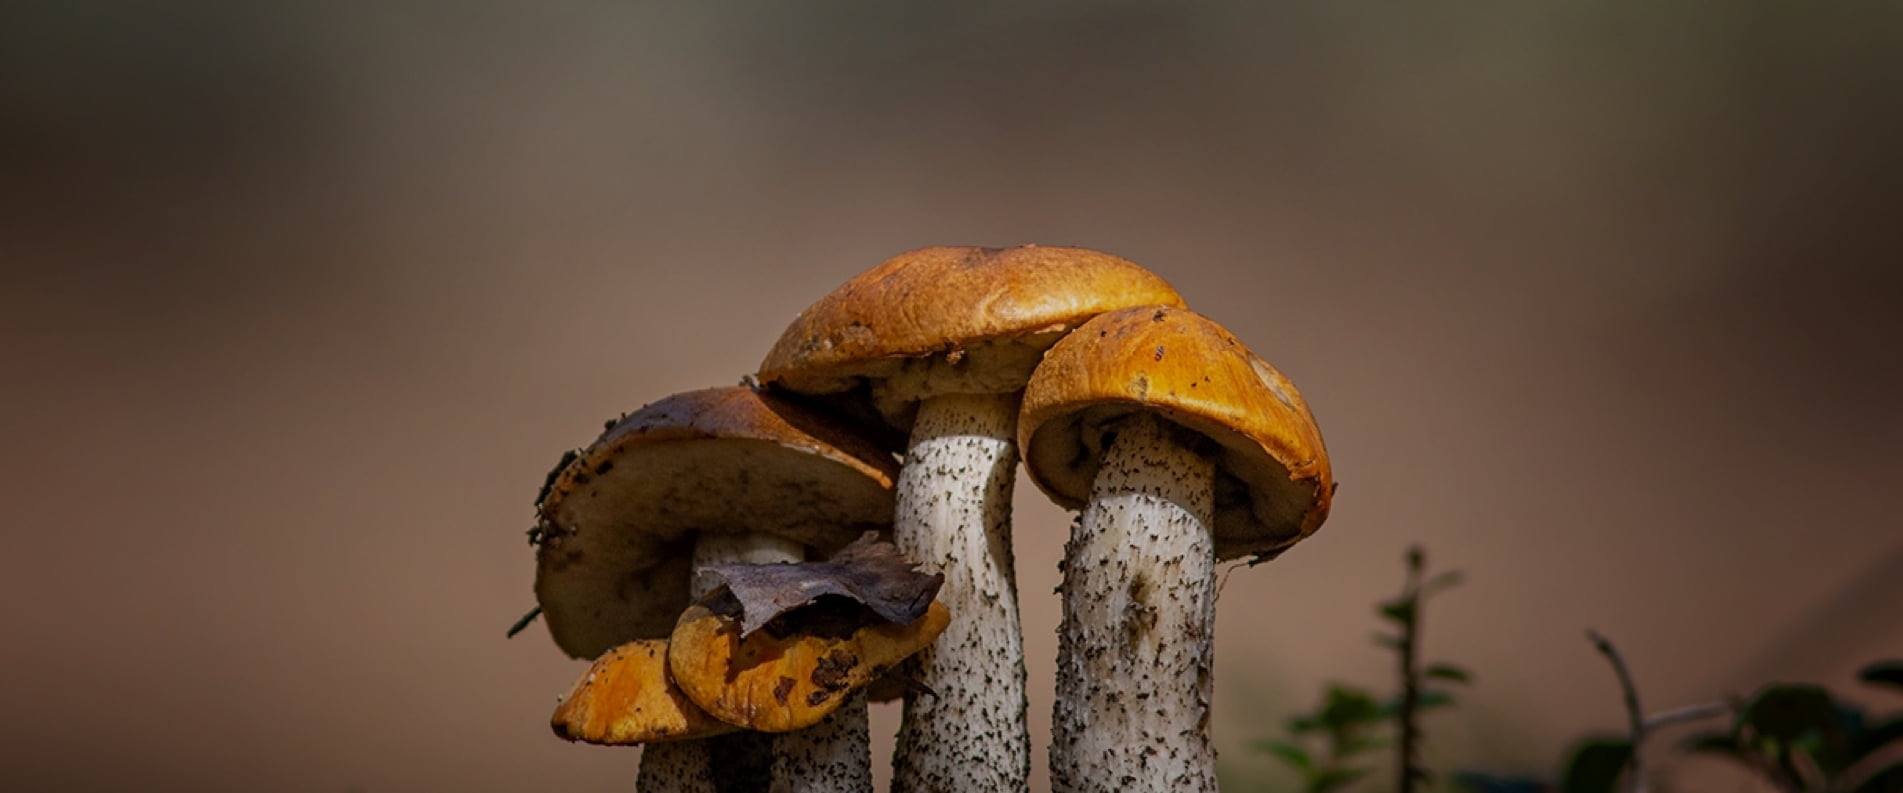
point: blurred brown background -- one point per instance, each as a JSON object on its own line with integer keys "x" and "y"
{"x": 1599, "y": 301}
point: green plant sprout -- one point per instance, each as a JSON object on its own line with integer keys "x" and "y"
{"x": 1797, "y": 737}
{"x": 1613, "y": 756}
{"x": 1349, "y": 720}
{"x": 1800, "y": 739}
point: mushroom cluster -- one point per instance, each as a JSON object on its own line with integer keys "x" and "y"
{"x": 712, "y": 477}
{"x": 1178, "y": 445}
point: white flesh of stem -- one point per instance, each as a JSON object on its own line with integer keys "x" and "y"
{"x": 687, "y": 766}
{"x": 1136, "y": 646}
{"x": 954, "y": 517}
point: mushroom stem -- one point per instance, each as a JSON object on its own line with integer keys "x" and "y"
{"x": 833, "y": 756}
{"x": 690, "y": 766}
{"x": 675, "y": 767}
{"x": 966, "y": 730}
{"x": 1136, "y": 647}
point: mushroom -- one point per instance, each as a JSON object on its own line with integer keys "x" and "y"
{"x": 626, "y": 697}
{"x": 781, "y": 679}
{"x": 1182, "y": 448}
{"x": 705, "y": 477}
{"x": 938, "y": 342}
{"x": 778, "y": 647}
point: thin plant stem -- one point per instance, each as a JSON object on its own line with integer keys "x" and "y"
{"x": 1638, "y": 725}
{"x": 1410, "y": 770}
{"x": 1635, "y": 716}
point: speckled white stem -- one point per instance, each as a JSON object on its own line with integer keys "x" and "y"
{"x": 1136, "y": 647}
{"x": 954, "y": 517}
{"x": 675, "y": 767}
{"x": 833, "y": 756}
{"x": 688, "y": 766}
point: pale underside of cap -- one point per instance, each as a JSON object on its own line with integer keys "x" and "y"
{"x": 619, "y": 521}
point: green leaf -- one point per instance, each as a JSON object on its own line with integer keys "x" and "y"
{"x": 1888, "y": 780}
{"x": 1797, "y": 718}
{"x": 1334, "y": 779}
{"x": 1723, "y": 743}
{"x": 1789, "y": 712}
{"x": 1427, "y": 699}
{"x": 1363, "y": 743}
{"x": 1447, "y": 580}
{"x": 1348, "y": 706}
{"x": 1295, "y": 756}
{"x": 1595, "y": 766}
{"x": 1883, "y": 673}
{"x": 1868, "y": 740}
{"x": 1401, "y": 611}
{"x": 1447, "y": 672}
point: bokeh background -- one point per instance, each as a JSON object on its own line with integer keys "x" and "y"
{"x": 1598, "y": 301}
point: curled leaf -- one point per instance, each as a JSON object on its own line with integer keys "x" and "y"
{"x": 1448, "y": 672}
{"x": 870, "y": 572}
{"x": 1884, "y": 673}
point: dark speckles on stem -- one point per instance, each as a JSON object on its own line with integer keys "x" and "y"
{"x": 953, "y": 508}
{"x": 1158, "y": 355}
{"x": 1138, "y": 585}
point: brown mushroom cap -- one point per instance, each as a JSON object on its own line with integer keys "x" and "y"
{"x": 626, "y": 697}
{"x": 618, "y": 521}
{"x": 951, "y": 320}
{"x": 778, "y": 682}
{"x": 1273, "y": 483}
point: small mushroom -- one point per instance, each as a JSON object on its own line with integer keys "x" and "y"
{"x": 938, "y": 342}
{"x": 1181, "y": 447}
{"x": 705, "y": 477}
{"x": 626, "y": 697}
{"x": 794, "y": 672}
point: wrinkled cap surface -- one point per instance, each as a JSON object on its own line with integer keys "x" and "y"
{"x": 1273, "y": 480}
{"x": 619, "y": 519}
{"x": 950, "y": 320}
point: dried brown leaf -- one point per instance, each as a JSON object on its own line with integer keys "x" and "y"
{"x": 870, "y": 572}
